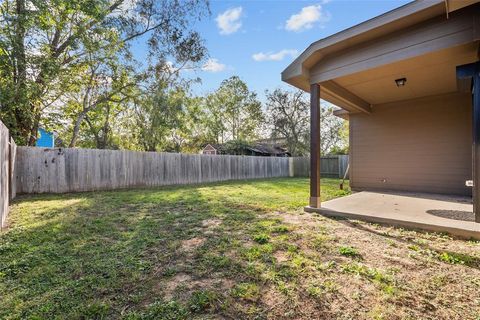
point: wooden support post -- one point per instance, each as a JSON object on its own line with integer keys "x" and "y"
{"x": 476, "y": 142}
{"x": 315, "y": 201}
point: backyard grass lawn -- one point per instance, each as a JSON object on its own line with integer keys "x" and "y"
{"x": 236, "y": 250}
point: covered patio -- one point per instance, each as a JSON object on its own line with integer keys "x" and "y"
{"x": 408, "y": 82}
{"x": 426, "y": 211}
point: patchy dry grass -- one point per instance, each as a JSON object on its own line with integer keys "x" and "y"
{"x": 235, "y": 250}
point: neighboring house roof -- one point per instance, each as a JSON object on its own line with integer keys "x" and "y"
{"x": 298, "y": 72}
{"x": 209, "y": 147}
{"x": 216, "y": 146}
{"x": 261, "y": 148}
{"x": 268, "y": 149}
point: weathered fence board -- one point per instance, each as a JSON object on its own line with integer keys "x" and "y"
{"x": 343, "y": 166}
{"x": 58, "y": 170}
{"x": 41, "y": 170}
{"x": 11, "y": 168}
{"x": 5, "y": 173}
{"x": 301, "y": 166}
{"x": 331, "y": 166}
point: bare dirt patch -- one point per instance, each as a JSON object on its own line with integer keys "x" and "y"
{"x": 192, "y": 244}
{"x": 272, "y": 298}
{"x": 281, "y": 256}
{"x": 304, "y": 219}
{"x": 182, "y": 284}
{"x": 211, "y": 223}
{"x": 169, "y": 286}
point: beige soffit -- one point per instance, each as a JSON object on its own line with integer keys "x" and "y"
{"x": 297, "y": 73}
{"x": 453, "y": 5}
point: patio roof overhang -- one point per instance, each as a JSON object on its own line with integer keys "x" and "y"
{"x": 424, "y": 41}
{"x": 356, "y": 68}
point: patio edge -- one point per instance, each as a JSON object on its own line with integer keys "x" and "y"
{"x": 457, "y": 232}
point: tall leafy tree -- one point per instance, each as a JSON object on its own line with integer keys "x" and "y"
{"x": 43, "y": 43}
{"x": 102, "y": 83}
{"x": 333, "y": 131}
{"x": 212, "y": 119}
{"x": 235, "y": 113}
{"x": 288, "y": 117}
{"x": 160, "y": 109}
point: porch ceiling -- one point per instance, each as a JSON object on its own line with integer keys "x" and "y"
{"x": 429, "y": 74}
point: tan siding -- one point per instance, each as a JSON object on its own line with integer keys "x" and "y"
{"x": 417, "y": 145}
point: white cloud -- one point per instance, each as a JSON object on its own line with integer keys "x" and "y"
{"x": 229, "y": 21}
{"x": 170, "y": 67}
{"x": 128, "y": 5}
{"x": 274, "y": 56}
{"x": 213, "y": 65}
{"x": 306, "y": 18}
{"x": 126, "y": 9}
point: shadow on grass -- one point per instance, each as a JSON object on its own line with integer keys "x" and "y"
{"x": 116, "y": 254}
{"x": 102, "y": 246}
{"x": 173, "y": 252}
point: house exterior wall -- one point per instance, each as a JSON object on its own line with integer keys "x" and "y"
{"x": 421, "y": 145}
{"x": 45, "y": 139}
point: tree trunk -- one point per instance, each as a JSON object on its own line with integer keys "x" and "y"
{"x": 22, "y": 116}
{"x": 76, "y": 129}
{"x": 102, "y": 144}
{"x": 19, "y": 45}
{"x": 34, "y": 129}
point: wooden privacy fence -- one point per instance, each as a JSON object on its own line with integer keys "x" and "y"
{"x": 7, "y": 182}
{"x": 57, "y": 170}
{"x": 331, "y": 166}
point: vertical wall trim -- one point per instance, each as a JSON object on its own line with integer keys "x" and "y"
{"x": 476, "y": 143}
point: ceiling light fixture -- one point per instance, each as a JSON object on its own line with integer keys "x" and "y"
{"x": 400, "y": 82}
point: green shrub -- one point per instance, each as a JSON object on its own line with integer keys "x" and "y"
{"x": 455, "y": 258}
{"x": 202, "y": 300}
{"x": 247, "y": 291}
{"x": 171, "y": 310}
{"x": 261, "y": 238}
{"x": 281, "y": 229}
{"x": 348, "y": 252}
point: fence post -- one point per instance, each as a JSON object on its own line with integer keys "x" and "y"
{"x": 4, "y": 173}
{"x": 291, "y": 169}
{"x": 342, "y": 165}
{"x": 10, "y": 167}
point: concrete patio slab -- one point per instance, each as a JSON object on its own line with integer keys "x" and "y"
{"x": 431, "y": 212}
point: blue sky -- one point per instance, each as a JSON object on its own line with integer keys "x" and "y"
{"x": 256, "y": 40}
